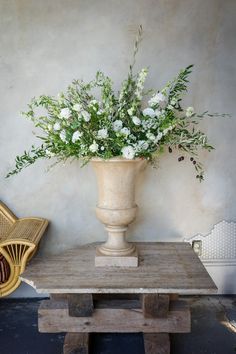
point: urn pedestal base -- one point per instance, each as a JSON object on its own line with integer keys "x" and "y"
{"x": 116, "y": 209}
{"x": 102, "y": 260}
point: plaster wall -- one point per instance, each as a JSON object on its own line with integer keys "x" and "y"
{"x": 45, "y": 44}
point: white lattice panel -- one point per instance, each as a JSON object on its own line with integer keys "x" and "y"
{"x": 219, "y": 246}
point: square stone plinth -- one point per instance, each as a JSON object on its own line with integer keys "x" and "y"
{"x": 116, "y": 261}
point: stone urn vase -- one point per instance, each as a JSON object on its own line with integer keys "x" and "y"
{"x": 116, "y": 208}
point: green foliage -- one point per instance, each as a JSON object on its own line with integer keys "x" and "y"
{"x": 91, "y": 119}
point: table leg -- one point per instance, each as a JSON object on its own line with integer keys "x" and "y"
{"x": 76, "y": 343}
{"x": 156, "y": 343}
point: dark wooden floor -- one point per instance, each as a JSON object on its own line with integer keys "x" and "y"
{"x": 213, "y": 331}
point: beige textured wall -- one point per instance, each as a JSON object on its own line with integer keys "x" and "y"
{"x": 45, "y": 44}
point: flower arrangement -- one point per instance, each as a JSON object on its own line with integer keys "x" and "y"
{"x": 79, "y": 124}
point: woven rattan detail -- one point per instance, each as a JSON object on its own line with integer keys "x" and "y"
{"x": 26, "y": 229}
{"x": 19, "y": 240}
{"x": 5, "y": 226}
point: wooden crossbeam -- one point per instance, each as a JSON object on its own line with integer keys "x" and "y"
{"x": 54, "y": 317}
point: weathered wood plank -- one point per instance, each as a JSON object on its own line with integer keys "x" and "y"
{"x": 164, "y": 268}
{"x": 80, "y": 305}
{"x": 156, "y": 343}
{"x": 54, "y": 317}
{"x": 155, "y": 305}
{"x": 76, "y": 343}
{"x": 59, "y": 297}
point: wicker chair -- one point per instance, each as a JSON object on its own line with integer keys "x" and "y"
{"x": 19, "y": 239}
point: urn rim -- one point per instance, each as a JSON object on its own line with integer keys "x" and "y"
{"x": 117, "y": 159}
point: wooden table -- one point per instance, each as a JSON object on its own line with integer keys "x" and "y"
{"x": 85, "y": 299}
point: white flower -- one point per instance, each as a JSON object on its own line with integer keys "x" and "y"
{"x": 130, "y": 111}
{"x": 102, "y": 133}
{"x": 65, "y": 113}
{"x": 125, "y": 131}
{"x": 149, "y": 112}
{"x": 94, "y": 102}
{"x": 165, "y": 131}
{"x": 136, "y": 120}
{"x": 49, "y": 153}
{"x": 57, "y": 126}
{"x": 95, "y": 105}
{"x": 142, "y": 145}
{"x": 128, "y": 152}
{"x": 150, "y": 136}
{"x": 158, "y": 113}
{"x": 86, "y": 116}
{"x": 63, "y": 136}
{"x": 102, "y": 148}
{"x": 173, "y": 101}
{"x": 117, "y": 125}
{"x": 93, "y": 147}
{"x": 147, "y": 124}
{"x": 159, "y": 99}
{"x": 189, "y": 112}
{"x": 76, "y": 136}
{"x": 77, "y": 107}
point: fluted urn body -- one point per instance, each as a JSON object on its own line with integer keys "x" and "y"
{"x": 116, "y": 207}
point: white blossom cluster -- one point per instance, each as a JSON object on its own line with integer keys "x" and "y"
{"x": 93, "y": 127}
{"x": 81, "y": 124}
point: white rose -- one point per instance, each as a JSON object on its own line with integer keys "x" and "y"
{"x": 150, "y": 136}
{"x": 102, "y": 133}
{"x": 128, "y": 152}
{"x": 189, "y": 112}
{"x": 86, "y": 116}
{"x": 117, "y": 125}
{"x": 77, "y": 107}
{"x": 76, "y": 136}
{"x": 136, "y": 120}
{"x": 63, "y": 136}
{"x": 57, "y": 126}
{"x": 159, "y": 136}
{"x": 125, "y": 131}
{"x": 65, "y": 113}
{"x": 93, "y": 147}
{"x": 142, "y": 145}
{"x": 149, "y": 112}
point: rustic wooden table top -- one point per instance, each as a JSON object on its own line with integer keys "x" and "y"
{"x": 164, "y": 268}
